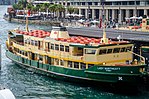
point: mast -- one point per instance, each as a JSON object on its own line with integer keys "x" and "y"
{"x": 27, "y": 30}
{"x": 27, "y": 14}
{"x": 104, "y": 39}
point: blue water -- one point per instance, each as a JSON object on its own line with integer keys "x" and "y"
{"x": 28, "y": 85}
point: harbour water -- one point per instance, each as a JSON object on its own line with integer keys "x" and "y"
{"x": 28, "y": 85}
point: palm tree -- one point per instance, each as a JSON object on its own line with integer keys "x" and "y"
{"x": 61, "y": 9}
{"x": 29, "y": 6}
{"x": 20, "y": 5}
{"x": 35, "y": 8}
{"x": 76, "y": 10}
{"x": 70, "y": 9}
{"x": 15, "y": 6}
{"x": 53, "y": 8}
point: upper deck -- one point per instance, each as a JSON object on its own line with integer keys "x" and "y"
{"x": 61, "y": 35}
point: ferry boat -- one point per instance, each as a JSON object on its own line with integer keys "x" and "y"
{"x": 75, "y": 58}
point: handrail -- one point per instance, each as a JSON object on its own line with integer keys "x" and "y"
{"x": 138, "y": 56}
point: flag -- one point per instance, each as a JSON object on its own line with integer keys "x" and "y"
{"x": 28, "y": 13}
{"x": 100, "y": 23}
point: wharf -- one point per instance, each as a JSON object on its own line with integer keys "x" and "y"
{"x": 38, "y": 22}
{"x": 111, "y": 33}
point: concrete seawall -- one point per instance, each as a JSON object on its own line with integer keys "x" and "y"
{"x": 38, "y": 22}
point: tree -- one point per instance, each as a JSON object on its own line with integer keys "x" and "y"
{"x": 20, "y": 5}
{"x": 76, "y": 10}
{"x": 15, "y": 6}
{"x": 70, "y": 9}
{"x": 53, "y": 8}
{"x": 61, "y": 9}
{"x": 29, "y": 6}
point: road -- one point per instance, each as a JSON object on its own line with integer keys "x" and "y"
{"x": 111, "y": 33}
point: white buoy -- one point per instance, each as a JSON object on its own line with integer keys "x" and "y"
{"x": 6, "y": 94}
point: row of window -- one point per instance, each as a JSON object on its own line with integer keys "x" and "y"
{"x": 57, "y": 47}
{"x": 31, "y": 42}
{"x": 20, "y": 52}
{"x": 48, "y": 45}
{"x": 113, "y": 3}
{"x": 108, "y": 51}
{"x": 76, "y": 65}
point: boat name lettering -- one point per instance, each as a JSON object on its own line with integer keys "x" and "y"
{"x": 108, "y": 68}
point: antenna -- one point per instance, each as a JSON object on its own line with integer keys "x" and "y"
{"x": 103, "y": 39}
{"x": 27, "y": 30}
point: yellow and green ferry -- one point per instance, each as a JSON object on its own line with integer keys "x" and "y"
{"x": 75, "y": 58}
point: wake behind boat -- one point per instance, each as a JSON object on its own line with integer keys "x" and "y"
{"x": 76, "y": 58}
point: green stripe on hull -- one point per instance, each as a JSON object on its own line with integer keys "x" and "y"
{"x": 112, "y": 74}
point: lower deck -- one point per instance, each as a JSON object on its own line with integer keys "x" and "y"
{"x": 128, "y": 74}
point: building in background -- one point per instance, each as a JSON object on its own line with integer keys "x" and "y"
{"x": 114, "y": 9}
{"x": 41, "y": 1}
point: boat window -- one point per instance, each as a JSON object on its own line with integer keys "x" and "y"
{"x": 22, "y": 52}
{"x": 123, "y": 49}
{"x": 32, "y": 42}
{"x": 129, "y": 48}
{"x": 102, "y": 51}
{"x": 90, "y": 65}
{"x": 28, "y": 41}
{"x": 56, "y": 47}
{"x": 48, "y": 46}
{"x": 109, "y": 51}
{"x": 66, "y": 48}
{"x": 83, "y": 66}
{"x": 79, "y": 48}
{"x": 70, "y": 64}
{"x": 116, "y": 50}
{"x": 36, "y": 43}
{"x": 52, "y": 46}
{"x": 25, "y": 53}
{"x": 40, "y": 57}
{"x": 61, "y": 47}
{"x": 76, "y": 65}
{"x": 25, "y": 41}
{"x": 57, "y": 61}
{"x": 90, "y": 51}
{"x": 62, "y": 62}
{"x": 147, "y": 21}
